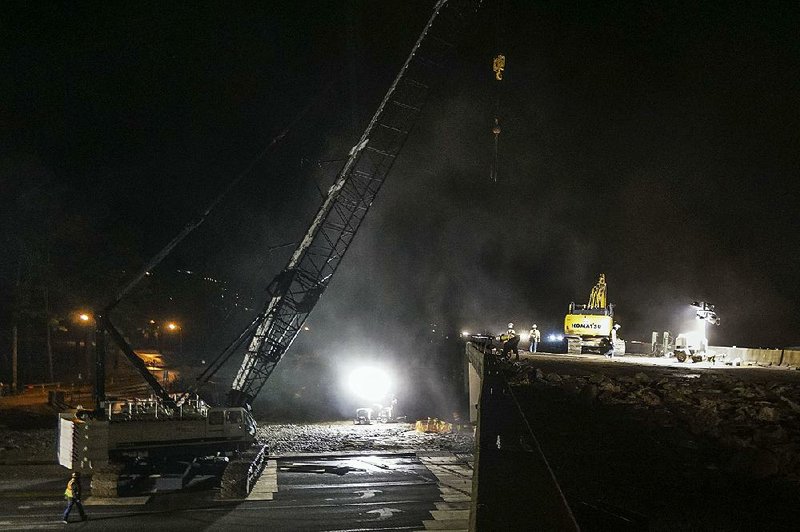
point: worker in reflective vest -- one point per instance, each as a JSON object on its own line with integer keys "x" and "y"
{"x": 73, "y": 496}
{"x": 510, "y": 342}
{"x": 535, "y": 338}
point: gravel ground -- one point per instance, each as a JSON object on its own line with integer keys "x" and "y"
{"x": 38, "y": 445}
{"x": 690, "y": 452}
{"x": 345, "y": 436}
{"x": 35, "y": 445}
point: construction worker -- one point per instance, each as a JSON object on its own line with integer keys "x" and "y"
{"x": 73, "y": 496}
{"x": 535, "y": 338}
{"x": 614, "y": 330}
{"x": 607, "y": 347}
{"x": 510, "y": 342}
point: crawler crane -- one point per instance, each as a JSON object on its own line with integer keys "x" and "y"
{"x": 184, "y": 426}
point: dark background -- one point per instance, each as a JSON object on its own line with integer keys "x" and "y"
{"x": 657, "y": 144}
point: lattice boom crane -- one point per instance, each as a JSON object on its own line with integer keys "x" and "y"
{"x": 296, "y": 289}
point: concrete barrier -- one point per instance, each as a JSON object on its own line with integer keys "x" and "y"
{"x": 634, "y": 347}
{"x": 767, "y": 357}
{"x": 791, "y": 357}
{"x": 761, "y": 357}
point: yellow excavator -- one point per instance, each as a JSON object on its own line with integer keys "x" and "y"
{"x": 590, "y": 328}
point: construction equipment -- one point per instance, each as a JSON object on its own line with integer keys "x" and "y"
{"x": 590, "y": 328}
{"x": 363, "y": 416}
{"x": 694, "y": 345}
{"x": 691, "y": 346}
{"x": 176, "y": 426}
{"x": 296, "y": 290}
{"x": 381, "y": 414}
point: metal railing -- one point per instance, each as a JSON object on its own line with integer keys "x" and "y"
{"x": 255, "y": 469}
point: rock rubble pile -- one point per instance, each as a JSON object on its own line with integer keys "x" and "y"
{"x": 755, "y": 425}
{"x": 284, "y": 439}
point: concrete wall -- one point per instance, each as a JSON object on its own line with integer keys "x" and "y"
{"x": 791, "y": 357}
{"x": 475, "y": 372}
{"x": 761, "y": 357}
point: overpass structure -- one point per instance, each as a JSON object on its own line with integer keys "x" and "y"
{"x": 513, "y": 487}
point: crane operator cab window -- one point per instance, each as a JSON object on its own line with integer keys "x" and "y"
{"x": 216, "y": 417}
{"x": 233, "y": 417}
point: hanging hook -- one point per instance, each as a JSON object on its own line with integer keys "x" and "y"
{"x": 499, "y": 65}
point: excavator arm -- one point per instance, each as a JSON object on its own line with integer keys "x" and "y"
{"x": 597, "y": 299}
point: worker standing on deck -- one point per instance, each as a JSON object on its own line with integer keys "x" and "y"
{"x": 510, "y": 342}
{"x": 73, "y": 496}
{"x": 535, "y": 337}
{"x": 614, "y": 330}
{"x": 607, "y": 347}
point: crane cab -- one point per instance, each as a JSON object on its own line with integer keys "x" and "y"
{"x": 230, "y": 422}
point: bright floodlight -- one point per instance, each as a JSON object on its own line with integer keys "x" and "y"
{"x": 368, "y": 383}
{"x": 84, "y": 317}
{"x": 464, "y": 333}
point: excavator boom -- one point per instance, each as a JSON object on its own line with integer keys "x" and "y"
{"x": 597, "y": 299}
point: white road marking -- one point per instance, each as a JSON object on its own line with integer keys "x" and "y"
{"x": 384, "y": 513}
{"x": 367, "y": 494}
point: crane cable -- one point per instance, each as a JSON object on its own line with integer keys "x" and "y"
{"x": 498, "y": 67}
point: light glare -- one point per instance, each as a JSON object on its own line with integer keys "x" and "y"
{"x": 369, "y": 383}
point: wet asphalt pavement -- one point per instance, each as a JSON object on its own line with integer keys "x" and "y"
{"x": 382, "y": 489}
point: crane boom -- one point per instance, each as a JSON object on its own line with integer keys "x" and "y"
{"x": 296, "y": 289}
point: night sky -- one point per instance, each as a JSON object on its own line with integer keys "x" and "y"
{"x": 654, "y": 142}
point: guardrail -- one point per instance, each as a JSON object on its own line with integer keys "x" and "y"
{"x": 256, "y": 466}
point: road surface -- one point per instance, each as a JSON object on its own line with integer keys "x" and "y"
{"x": 365, "y": 492}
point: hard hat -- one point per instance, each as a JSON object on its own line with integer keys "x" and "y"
{"x": 510, "y": 325}
{"x": 617, "y": 325}
{"x": 533, "y": 326}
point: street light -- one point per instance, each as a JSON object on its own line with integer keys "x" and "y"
{"x": 174, "y": 327}
{"x": 84, "y": 320}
